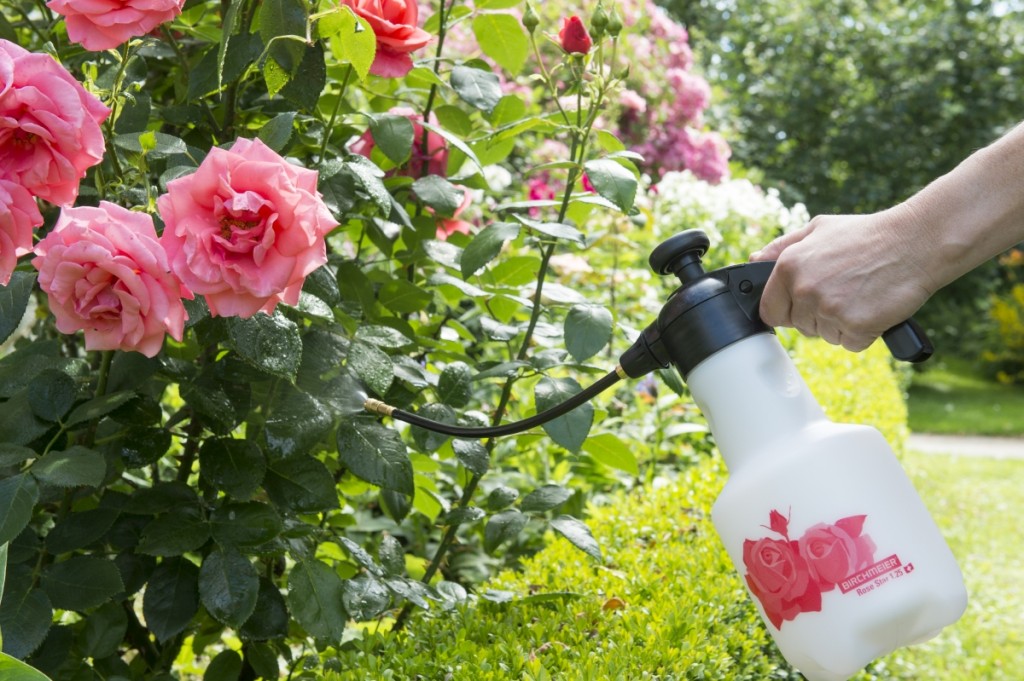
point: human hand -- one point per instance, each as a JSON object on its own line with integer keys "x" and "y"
{"x": 847, "y": 278}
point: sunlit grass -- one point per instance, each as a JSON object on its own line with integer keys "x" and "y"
{"x": 951, "y": 397}
{"x": 977, "y": 502}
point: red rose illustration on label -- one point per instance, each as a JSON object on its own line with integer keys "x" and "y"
{"x": 789, "y": 576}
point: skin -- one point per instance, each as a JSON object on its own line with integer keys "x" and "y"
{"x": 848, "y": 278}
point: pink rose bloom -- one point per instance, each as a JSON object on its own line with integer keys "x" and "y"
{"x": 19, "y": 214}
{"x": 780, "y": 579}
{"x": 49, "y": 125}
{"x": 99, "y": 25}
{"x": 434, "y": 158}
{"x": 106, "y": 274}
{"x": 394, "y": 22}
{"x": 245, "y": 229}
{"x": 834, "y": 552}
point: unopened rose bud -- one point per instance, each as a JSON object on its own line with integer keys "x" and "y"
{"x": 530, "y": 19}
{"x": 574, "y": 37}
{"x": 598, "y": 22}
{"x": 614, "y": 24}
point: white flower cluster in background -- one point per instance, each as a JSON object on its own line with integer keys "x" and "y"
{"x": 737, "y": 215}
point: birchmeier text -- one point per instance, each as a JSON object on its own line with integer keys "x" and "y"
{"x": 869, "y": 573}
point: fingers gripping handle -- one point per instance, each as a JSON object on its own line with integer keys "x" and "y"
{"x": 907, "y": 341}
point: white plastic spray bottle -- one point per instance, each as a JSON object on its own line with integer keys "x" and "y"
{"x": 836, "y": 548}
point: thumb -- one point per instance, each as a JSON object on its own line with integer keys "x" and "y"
{"x": 773, "y": 249}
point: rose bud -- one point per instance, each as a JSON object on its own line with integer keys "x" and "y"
{"x": 574, "y": 37}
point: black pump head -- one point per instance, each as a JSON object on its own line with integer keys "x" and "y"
{"x": 712, "y": 310}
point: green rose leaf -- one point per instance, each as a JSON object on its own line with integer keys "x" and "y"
{"x": 79, "y": 529}
{"x": 473, "y": 455}
{"x": 608, "y": 449}
{"x": 316, "y": 598}
{"x": 82, "y": 582}
{"x": 276, "y": 132}
{"x": 12, "y": 669}
{"x": 502, "y": 38}
{"x": 485, "y": 246}
{"x": 71, "y": 468}
{"x": 372, "y": 365}
{"x": 392, "y": 556}
{"x": 501, "y": 497}
{"x": 503, "y": 527}
{"x": 245, "y": 524}
{"x": 478, "y": 88}
{"x": 270, "y": 343}
{"x": 228, "y": 586}
{"x": 545, "y": 498}
{"x": 352, "y": 39}
{"x": 383, "y": 337}
{"x": 399, "y": 295}
{"x": 18, "y": 495}
{"x": 301, "y": 484}
{"x": 365, "y": 597}
{"x": 439, "y": 194}
{"x": 225, "y": 666}
{"x": 13, "y": 302}
{"x": 99, "y": 406}
{"x": 555, "y": 230}
{"x": 376, "y": 454}
{"x": 172, "y": 598}
{"x": 178, "y": 531}
{"x": 295, "y": 424}
{"x": 454, "y": 387}
{"x": 568, "y": 430}
{"x": 51, "y": 394}
{"x": 613, "y": 181}
{"x": 25, "y": 618}
{"x": 578, "y": 534}
{"x": 279, "y": 18}
{"x": 393, "y": 135}
{"x": 269, "y": 619}
{"x": 588, "y": 328}
{"x": 234, "y": 466}
{"x": 105, "y": 629}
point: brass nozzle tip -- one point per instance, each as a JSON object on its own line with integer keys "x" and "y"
{"x": 621, "y": 373}
{"x": 377, "y": 407}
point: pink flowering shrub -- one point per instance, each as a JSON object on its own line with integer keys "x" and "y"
{"x": 18, "y": 216}
{"x": 49, "y": 125}
{"x": 106, "y": 24}
{"x": 106, "y": 274}
{"x": 245, "y": 229}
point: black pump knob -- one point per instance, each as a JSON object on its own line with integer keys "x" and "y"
{"x": 681, "y": 254}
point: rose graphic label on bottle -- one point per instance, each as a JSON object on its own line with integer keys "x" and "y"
{"x": 788, "y": 576}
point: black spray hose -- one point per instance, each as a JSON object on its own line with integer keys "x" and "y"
{"x": 610, "y": 379}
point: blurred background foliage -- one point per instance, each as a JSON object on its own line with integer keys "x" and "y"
{"x": 853, "y": 106}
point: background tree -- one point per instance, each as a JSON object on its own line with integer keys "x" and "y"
{"x": 853, "y": 106}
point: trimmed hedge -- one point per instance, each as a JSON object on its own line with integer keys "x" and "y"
{"x": 665, "y": 604}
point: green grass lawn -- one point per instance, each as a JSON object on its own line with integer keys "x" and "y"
{"x": 977, "y": 503}
{"x": 950, "y": 397}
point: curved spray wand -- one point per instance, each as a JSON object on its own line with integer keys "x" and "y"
{"x": 664, "y": 342}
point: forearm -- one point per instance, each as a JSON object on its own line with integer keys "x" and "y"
{"x": 971, "y": 214}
